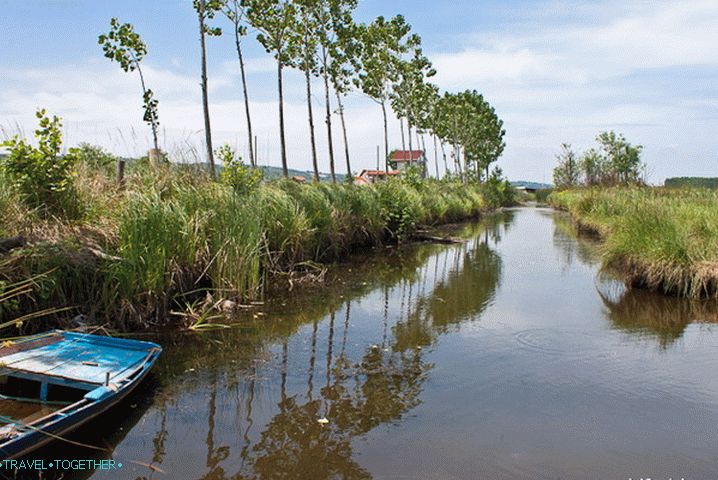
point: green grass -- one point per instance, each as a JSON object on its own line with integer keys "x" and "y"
{"x": 663, "y": 239}
{"x": 171, "y": 233}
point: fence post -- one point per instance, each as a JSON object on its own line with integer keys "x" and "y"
{"x": 120, "y": 172}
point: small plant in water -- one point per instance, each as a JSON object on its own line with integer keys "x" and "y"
{"x": 200, "y": 316}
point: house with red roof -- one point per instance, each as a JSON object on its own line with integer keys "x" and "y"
{"x": 403, "y": 159}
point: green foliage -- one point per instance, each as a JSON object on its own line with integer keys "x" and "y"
{"x": 466, "y": 119}
{"x": 240, "y": 177}
{"x": 274, "y": 21}
{"x": 498, "y": 191}
{"x": 566, "y": 173}
{"x": 691, "y": 182}
{"x": 400, "y": 206}
{"x": 543, "y": 194}
{"x": 207, "y": 10}
{"x": 614, "y": 162}
{"x": 125, "y": 46}
{"x": 413, "y": 175}
{"x": 383, "y": 42}
{"x": 94, "y": 157}
{"x": 42, "y": 176}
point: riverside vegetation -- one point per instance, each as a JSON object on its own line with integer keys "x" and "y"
{"x": 127, "y": 254}
{"x": 661, "y": 239}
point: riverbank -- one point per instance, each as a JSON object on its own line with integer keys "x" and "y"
{"x": 169, "y": 235}
{"x": 661, "y": 239}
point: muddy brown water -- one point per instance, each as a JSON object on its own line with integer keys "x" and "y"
{"x": 507, "y": 357}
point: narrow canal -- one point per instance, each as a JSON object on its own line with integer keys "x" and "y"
{"x": 507, "y": 357}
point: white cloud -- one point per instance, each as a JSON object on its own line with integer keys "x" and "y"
{"x": 554, "y": 82}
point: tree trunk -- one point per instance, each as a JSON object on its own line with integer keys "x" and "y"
{"x": 252, "y": 159}
{"x": 153, "y": 123}
{"x": 205, "y": 101}
{"x": 403, "y": 141}
{"x": 386, "y": 137}
{"x": 344, "y": 133}
{"x": 282, "y": 142}
{"x": 308, "y": 79}
{"x": 443, "y": 152}
{"x": 329, "y": 121}
{"x": 408, "y": 127}
{"x": 419, "y": 141}
{"x": 426, "y": 160}
{"x": 465, "y": 167}
{"x": 436, "y": 158}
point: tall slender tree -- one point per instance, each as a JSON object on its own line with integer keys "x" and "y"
{"x": 206, "y": 10}
{"x": 235, "y": 11}
{"x": 332, "y": 19}
{"x": 410, "y": 90}
{"x": 124, "y": 46}
{"x": 274, "y": 20}
{"x": 304, "y": 44}
{"x": 383, "y": 42}
{"x": 345, "y": 55}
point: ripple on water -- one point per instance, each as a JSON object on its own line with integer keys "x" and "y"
{"x": 566, "y": 343}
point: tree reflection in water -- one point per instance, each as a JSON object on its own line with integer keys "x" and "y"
{"x": 420, "y": 291}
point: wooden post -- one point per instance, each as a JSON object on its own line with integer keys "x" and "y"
{"x": 120, "y": 172}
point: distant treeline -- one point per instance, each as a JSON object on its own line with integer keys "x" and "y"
{"x": 692, "y": 182}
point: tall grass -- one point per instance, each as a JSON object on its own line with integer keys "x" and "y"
{"x": 663, "y": 239}
{"x": 171, "y": 230}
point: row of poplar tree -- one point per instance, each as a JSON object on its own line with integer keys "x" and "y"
{"x": 382, "y": 59}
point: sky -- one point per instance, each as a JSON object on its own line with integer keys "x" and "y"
{"x": 555, "y": 71}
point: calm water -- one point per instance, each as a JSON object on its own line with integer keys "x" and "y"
{"x": 506, "y": 357}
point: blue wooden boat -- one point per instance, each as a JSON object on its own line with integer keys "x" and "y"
{"x": 54, "y": 382}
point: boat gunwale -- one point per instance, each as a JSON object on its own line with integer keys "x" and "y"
{"x": 44, "y": 425}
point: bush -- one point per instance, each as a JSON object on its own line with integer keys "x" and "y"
{"x": 400, "y": 206}
{"x": 95, "y": 157}
{"x": 242, "y": 178}
{"x": 42, "y": 176}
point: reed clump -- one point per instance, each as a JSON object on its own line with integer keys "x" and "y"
{"x": 662, "y": 239}
{"x": 169, "y": 232}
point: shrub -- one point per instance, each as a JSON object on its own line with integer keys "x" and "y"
{"x": 242, "y": 178}
{"x": 95, "y": 158}
{"x": 400, "y": 206}
{"x": 42, "y": 176}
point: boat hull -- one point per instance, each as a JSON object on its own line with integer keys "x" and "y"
{"x": 55, "y": 426}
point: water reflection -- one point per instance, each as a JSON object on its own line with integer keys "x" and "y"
{"x": 390, "y": 353}
{"x": 354, "y": 354}
{"x": 645, "y": 313}
{"x": 566, "y": 242}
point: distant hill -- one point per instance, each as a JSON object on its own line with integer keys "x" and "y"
{"x": 691, "y": 182}
{"x": 531, "y": 185}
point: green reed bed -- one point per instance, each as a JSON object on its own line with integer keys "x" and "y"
{"x": 171, "y": 234}
{"x": 663, "y": 239}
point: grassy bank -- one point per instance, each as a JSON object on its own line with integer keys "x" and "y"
{"x": 128, "y": 255}
{"x": 661, "y": 239}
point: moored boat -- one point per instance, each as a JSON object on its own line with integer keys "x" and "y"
{"x": 54, "y": 382}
